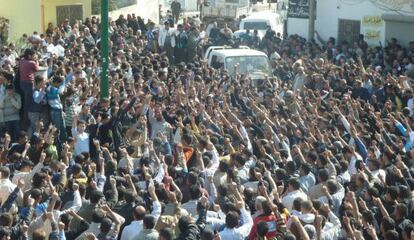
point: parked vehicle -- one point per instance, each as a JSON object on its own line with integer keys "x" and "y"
{"x": 212, "y": 48}
{"x": 225, "y": 11}
{"x": 261, "y": 20}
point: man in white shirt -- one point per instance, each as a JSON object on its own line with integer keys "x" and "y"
{"x": 6, "y": 186}
{"x": 166, "y": 41}
{"x": 60, "y": 50}
{"x": 191, "y": 206}
{"x": 294, "y": 191}
{"x": 133, "y": 230}
{"x": 80, "y": 136}
{"x": 232, "y": 231}
{"x": 299, "y": 81}
{"x": 26, "y": 172}
{"x": 410, "y": 102}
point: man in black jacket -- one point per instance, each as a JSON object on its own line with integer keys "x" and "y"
{"x": 175, "y": 9}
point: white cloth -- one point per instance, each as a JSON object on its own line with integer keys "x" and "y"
{"x": 287, "y": 200}
{"x": 162, "y": 36}
{"x": 133, "y": 230}
{"x": 60, "y": 50}
{"x": 351, "y": 167}
{"x": 81, "y": 141}
{"x": 6, "y": 187}
{"x": 332, "y": 229}
{"x": 26, "y": 176}
{"x": 241, "y": 232}
{"x": 299, "y": 82}
{"x": 410, "y": 105}
{"x": 191, "y": 207}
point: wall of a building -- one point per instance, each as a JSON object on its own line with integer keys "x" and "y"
{"x": 49, "y": 7}
{"x": 189, "y": 5}
{"x": 150, "y": 11}
{"x": 330, "y": 11}
{"x": 24, "y": 16}
{"x": 298, "y": 26}
{"x": 401, "y": 30}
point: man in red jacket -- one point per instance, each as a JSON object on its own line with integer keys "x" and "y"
{"x": 267, "y": 217}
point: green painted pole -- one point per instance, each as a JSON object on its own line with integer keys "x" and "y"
{"x": 104, "y": 49}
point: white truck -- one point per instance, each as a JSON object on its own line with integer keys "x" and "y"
{"x": 260, "y": 21}
{"x": 225, "y": 11}
{"x": 252, "y": 63}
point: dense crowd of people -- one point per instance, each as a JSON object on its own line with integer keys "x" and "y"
{"x": 321, "y": 150}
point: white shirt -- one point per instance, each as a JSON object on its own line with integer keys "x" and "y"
{"x": 163, "y": 34}
{"x": 332, "y": 229}
{"x": 60, "y": 51}
{"x": 6, "y": 187}
{"x": 287, "y": 200}
{"x": 351, "y": 167}
{"x": 95, "y": 228}
{"x": 241, "y": 232}
{"x": 410, "y": 105}
{"x": 133, "y": 230}
{"x": 378, "y": 174}
{"x": 299, "y": 82}
{"x": 191, "y": 207}
{"x": 81, "y": 141}
{"x": 26, "y": 176}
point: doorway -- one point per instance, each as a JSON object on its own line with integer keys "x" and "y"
{"x": 348, "y": 30}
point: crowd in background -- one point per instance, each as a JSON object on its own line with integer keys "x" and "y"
{"x": 321, "y": 150}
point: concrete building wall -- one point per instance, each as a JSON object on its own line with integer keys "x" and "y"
{"x": 297, "y": 26}
{"x": 147, "y": 9}
{"x": 373, "y": 25}
{"x": 49, "y": 10}
{"x": 24, "y": 16}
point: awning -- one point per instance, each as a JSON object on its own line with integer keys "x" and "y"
{"x": 397, "y": 18}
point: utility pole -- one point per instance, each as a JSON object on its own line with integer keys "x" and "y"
{"x": 104, "y": 49}
{"x": 312, "y": 17}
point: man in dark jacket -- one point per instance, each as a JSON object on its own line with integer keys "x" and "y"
{"x": 111, "y": 129}
{"x": 175, "y": 9}
{"x": 181, "y": 44}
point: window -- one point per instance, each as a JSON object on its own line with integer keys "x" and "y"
{"x": 249, "y": 64}
{"x": 71, "y": 12}
{"x": 255, "y": 25}
{"x": 348, "y": 30}
{"x": 217, "y": 62}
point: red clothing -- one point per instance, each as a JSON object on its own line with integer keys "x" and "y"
{"x": 271, "y": 223}
{"x": 28, "y": 68}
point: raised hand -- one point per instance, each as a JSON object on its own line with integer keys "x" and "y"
{"x": 20, "y": 183}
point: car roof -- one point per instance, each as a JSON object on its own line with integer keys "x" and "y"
{"x": 261, "y": 16}
{"x": 238, "y": 52}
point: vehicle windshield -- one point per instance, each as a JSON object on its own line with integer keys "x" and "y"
{"x": 255, "y": 25}
{"x": 248, "y": 64}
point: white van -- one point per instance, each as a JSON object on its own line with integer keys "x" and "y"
{"x": 212, "y": 48}
{"x": 260, "y": 21}
{"x": 250, "y": 62}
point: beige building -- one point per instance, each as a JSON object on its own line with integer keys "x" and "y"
{"x": 26, "y": 16}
